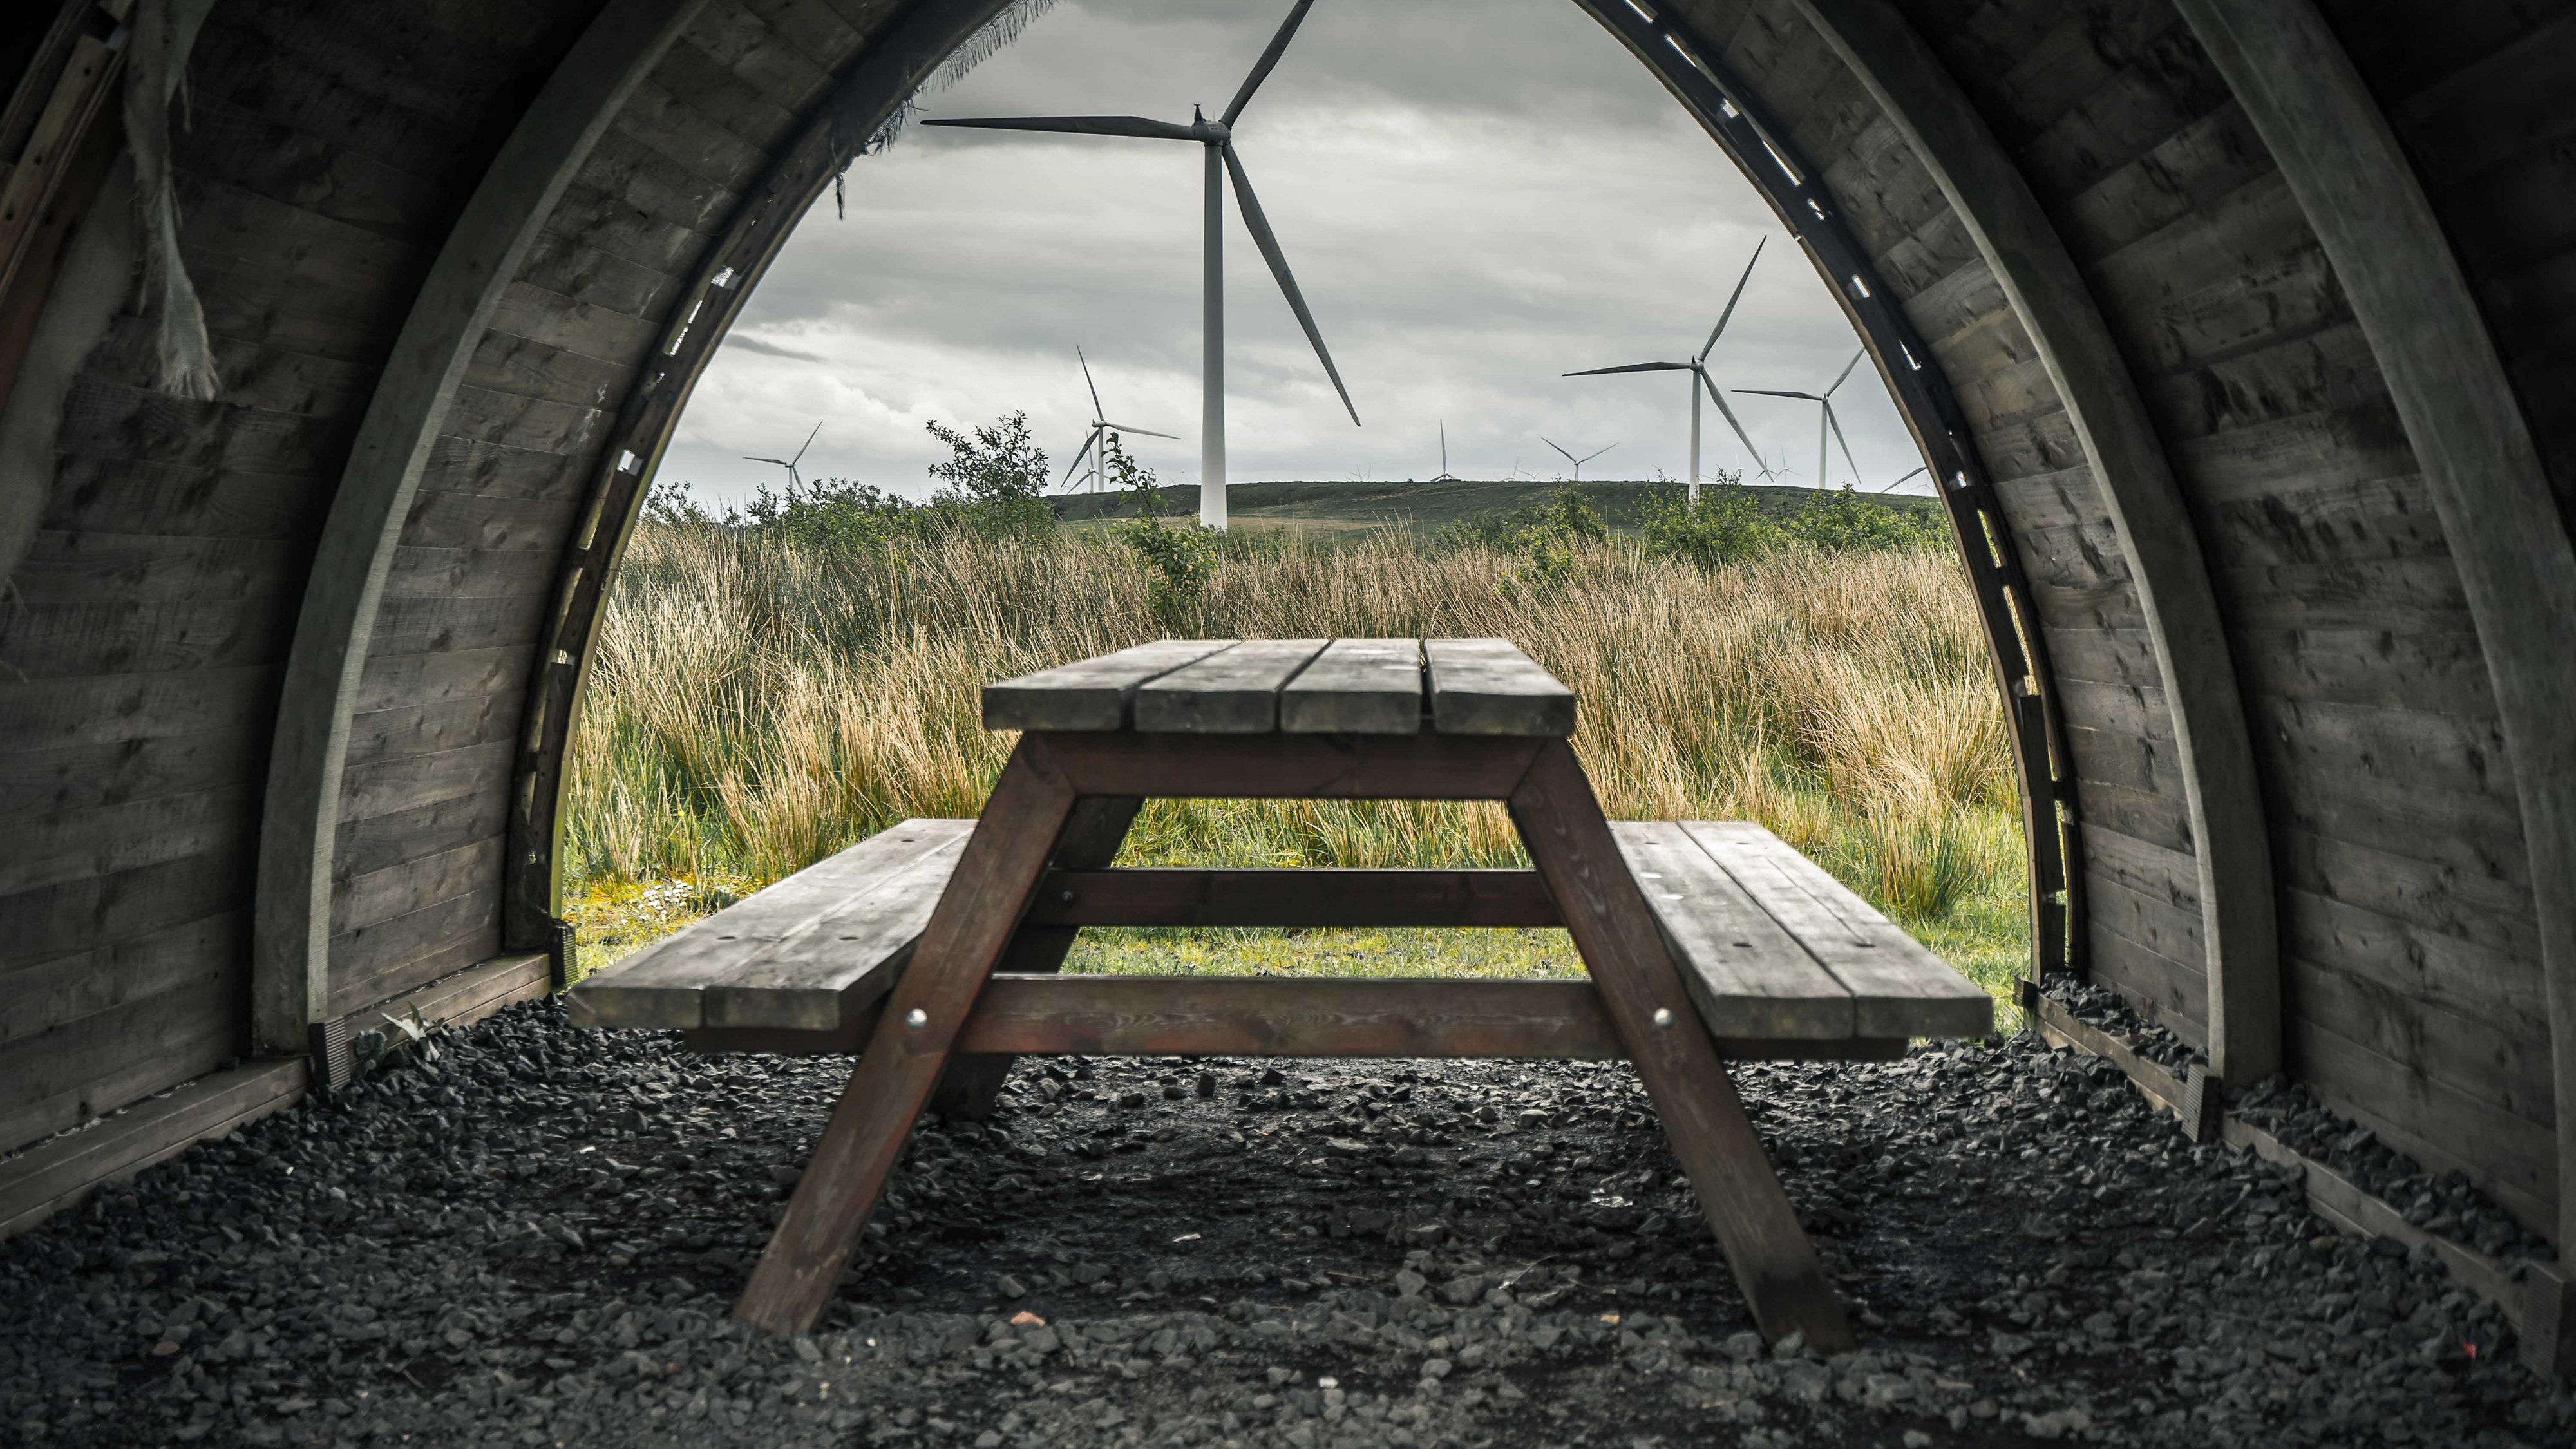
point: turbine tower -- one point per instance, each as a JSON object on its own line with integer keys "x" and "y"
{"x": 793, "y": 482}
{"x": 1217, "y": 139}
{"x": 1697, "y": 367}
{"x": 1445, "y": 475}
{"x": 1825, "y": 418}
{"x": 1100, "y": 425}
{"x": 1578, "y": 462}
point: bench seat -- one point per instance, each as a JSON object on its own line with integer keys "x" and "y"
{"x": 1774, "y": 949}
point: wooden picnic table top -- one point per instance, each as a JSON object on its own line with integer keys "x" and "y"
{"x": 1293, "y": 686}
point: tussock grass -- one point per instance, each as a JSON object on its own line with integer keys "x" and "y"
{"x": 756, "y": 706}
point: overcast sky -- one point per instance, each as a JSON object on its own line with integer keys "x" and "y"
{"x": 1475, "y": 195}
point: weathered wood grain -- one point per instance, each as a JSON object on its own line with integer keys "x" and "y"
{"x": 61, "y": 1174}
{"x": 1748, "y": 974}
{"x": 1302, "y": 896}
{"x": 1357, "y": 686}
{"x": 1089, "y": 694}
{"x": 1295, "y": 767}
{"x": 1232, "y": 692}
{"x": 1489, "y": 687}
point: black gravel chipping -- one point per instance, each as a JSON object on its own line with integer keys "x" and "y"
{"x": 534, "y": 1240}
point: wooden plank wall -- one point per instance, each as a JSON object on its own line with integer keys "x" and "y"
{"x": 425, "y": 805}
{"x": 330, "y": 143}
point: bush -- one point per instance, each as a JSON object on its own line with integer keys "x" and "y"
{"x": 1724, "y": 525}
{"x": 995, "y": 479}
{"x": 1179, "y": 557}
{"x": 1841, "y": 521}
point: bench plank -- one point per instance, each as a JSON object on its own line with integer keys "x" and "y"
{"x": 1489, "y": 687}
{"x": 1089, "y": 694}
{"x": 1357, "y": 687}
{"x": 672, "y": 983}
{"x": 1748, "y": 975}
{"x": 1233, "y": 692}
{"x": 1898, "y": 987}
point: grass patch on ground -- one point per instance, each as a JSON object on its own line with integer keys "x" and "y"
{"x": 757, "y": 705}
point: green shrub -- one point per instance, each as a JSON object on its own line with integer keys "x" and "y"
{"x": 1179, "y": 557}
{"x": 1724, "y": 525}
{"x": 1841, "y": 521}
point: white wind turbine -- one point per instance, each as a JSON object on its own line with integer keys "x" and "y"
{"x": 793, "y": 481}
{"x": 1697, "y": 367}
{"x": 1217, "y": 138}
{"x": 1445, "y": 475}
{"x": 1100, "y": 427}
{"x": 1578, "y": 462}
{"x": 1825, "y": 418}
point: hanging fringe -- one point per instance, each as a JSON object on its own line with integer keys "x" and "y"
{"x": 980, "y": 47}
{"x": 155, "y": 70}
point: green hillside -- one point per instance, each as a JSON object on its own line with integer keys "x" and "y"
{"x": 1351, "y": 507}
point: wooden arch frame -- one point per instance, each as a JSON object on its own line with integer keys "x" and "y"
{"x": 923, "y": 39}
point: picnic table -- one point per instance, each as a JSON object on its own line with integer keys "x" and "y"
{"x": 931, "y": 948}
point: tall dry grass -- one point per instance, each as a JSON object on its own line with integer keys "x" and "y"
{"x": 756, "y": 706}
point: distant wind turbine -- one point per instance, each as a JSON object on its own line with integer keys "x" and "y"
{"x": 1100, "y": 426}
{"x": 1825, "y": 418}
{"x": 1578, "y": 462}
{"x": 1217, "y": 137}
{"x": 1697, "y": 367}
{"x": 793, "y": 482}
{"x": 1890, "y": 488}
{"x": 1445, "y": 475}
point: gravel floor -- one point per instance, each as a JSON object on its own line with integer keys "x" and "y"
{"x": 534, "y": 1240}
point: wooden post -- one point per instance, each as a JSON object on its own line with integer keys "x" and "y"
{"x": 2500, "y": 520}
{"x": 1641, "y": 990}
{"x": 905, "y": 1055}
{"x": 1091, "y": 837}
{"x": 2213, "y": 750}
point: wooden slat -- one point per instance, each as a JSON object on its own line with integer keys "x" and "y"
{"x": 1748, "y": 975}
{"x": 1489, "y": 687}
{"x": 1898, "y": 988}
{"x": 1293, "y": 767}
{"x": 1357, "y": 686}
{"x": 63, "y": 1172}
{"x": 1232, "y": 692}
{"x": 1292, "y": 897}
{"x": 779, "y": 958}
{"x": 1091, "y": 694}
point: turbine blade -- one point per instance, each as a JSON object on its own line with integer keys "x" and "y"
{"x": 1080, "y": 126}
{"x": 1076, "y": 465}
{"x": 1597, "y": 452}
{"x": 1836, "y": 424}
{"x": 1262, "y": 237}
{"x": 1847, "y": 370}
{"x": 1632, "y": 367}
{"x": 1269, "y": 59}
{"x": 1096, "y": 408}
{"x": 781, "y": 462}
{"x": 1768, "y": 392}
{"x": 809, "y": 442}
{"x": 1569, "y": 457}
{"x": 1141, "y": 432}
{"x": 1729, "y": 414}
{"x": 1731, "y": 301}
{"x": 1890, "y": 488}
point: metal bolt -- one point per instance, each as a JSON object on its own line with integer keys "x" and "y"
{"x": 1068, "y": 898}
{"x": 918, "y": 1018}
{"x": 1663, "y": 1016}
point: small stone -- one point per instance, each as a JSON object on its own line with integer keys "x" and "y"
{"x": 1010, "y": 1287}
{"x": 1409, "y": 1284}
{"x": 1436, "y": 1368}
{"x": 1531, "y": 1118}
{"x": 1204, "y": 1084}
{"x": 1130, "y": 1100}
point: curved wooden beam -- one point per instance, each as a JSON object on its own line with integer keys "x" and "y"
{"x": 2517, "y": 566}
{"x": 292, "y": 921}
{"x": 1691, "y": 68}
{"x": 1993, "y": 200}
{"x": 888, "y": 72}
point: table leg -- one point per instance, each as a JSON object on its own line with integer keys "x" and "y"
{"x": 973, "y": 921}
{"x": 1650, "y": 1011}
{"x": 1092, "y": 835}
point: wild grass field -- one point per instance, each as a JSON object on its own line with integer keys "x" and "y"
{"x": 758, "y": 703}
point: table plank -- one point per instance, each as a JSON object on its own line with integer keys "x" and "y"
{"x": 1489, "y": 687}
{"x": 668, "y": 984}
{"x": 1089, "y": 694}
{"x": 1357, "y": 687}
{"x": 1291, "y": 896}
{"x": 1234, "y": 692}
{"x": 817, "y": 978}
{"x": 1898, "y": 987}
{"x": 1749, "y": 976}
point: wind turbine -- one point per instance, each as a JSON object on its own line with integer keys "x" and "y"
{"x": 793, "y": 482}
{"x": 1217, "y": 139}
{"x": 1825, "y": 418}
{"x": 1697, "y": 367}
{"x": 1100, "y": 425}
{"x": 1445, "y": 475}
{"x": 1578, "y": 462}
{"x": 1890, "y": 488}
